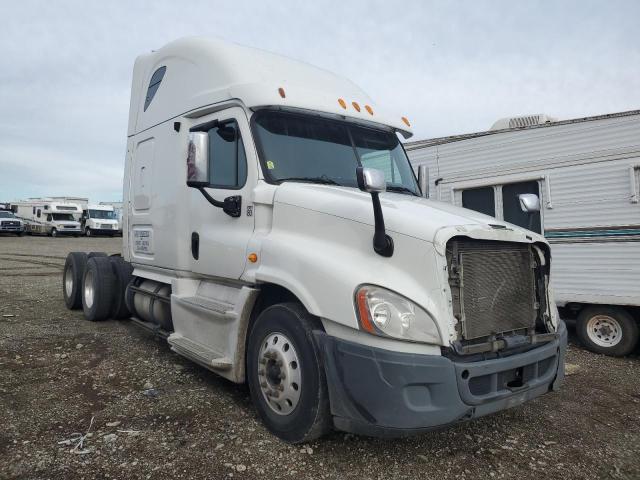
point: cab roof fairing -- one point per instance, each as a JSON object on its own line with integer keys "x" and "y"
{"x": 202, "y": 71}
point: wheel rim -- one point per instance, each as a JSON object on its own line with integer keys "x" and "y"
{"x": 279, "y": 373}
{"x": 604, "y": 331}
{"x": 68, "y": 280}
{"x": 88, "y": 232}
{"x": 88, "y": 290}
{"x": 54, "y": 232}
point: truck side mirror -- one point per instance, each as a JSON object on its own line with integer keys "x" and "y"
{"x": 198, "y": 174}
{"x": 423, "y": 180}
{"x": 529, "y": 202}
{"x": 372, "y": 181}
{"x": 198, "y": 160}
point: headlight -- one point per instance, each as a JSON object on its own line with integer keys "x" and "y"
{"x": 385, "y": 313}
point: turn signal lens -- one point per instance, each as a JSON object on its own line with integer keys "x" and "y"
{"x": 363, "y": 310}
{"x": 368, "y": 109}
{"x": 281, "y": 92}
{"x": 253, "y": 258}
{"x": 342, "y": 103}
{"x": 356, "y": 106}
{"x": 406, "y": 122}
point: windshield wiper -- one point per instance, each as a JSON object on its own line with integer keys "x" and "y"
{"x": 324, "y": 180}
{"x": 399, "y": 188}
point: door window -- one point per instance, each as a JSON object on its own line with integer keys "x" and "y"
{"x": 480, "y": 199}
{"x": 227, "y": 158}
{"x": 512, "y": 212}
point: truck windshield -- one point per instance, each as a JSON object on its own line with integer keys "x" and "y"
{"x": 63, "y": 216}
{"x": 297, "y": 147}
{"x": 102, "y": 214}
{"x": 6, "y": 215}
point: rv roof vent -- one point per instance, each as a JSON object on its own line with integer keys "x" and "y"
{"x": 522, "y": 121}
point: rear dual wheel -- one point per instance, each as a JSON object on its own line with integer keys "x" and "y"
{"x": 97, "y": 283}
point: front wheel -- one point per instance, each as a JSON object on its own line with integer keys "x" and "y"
{"x": 54, "y": 232}
{"x": 285, "y": 375}
{"x": 607, "y": 330}
{"x": 87, "y": 232}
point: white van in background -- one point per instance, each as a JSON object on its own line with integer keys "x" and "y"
{"x": 99, "y": 220}
{"x": 275, "y": 233}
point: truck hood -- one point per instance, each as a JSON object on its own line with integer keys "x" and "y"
{"x": 417, "y": 217}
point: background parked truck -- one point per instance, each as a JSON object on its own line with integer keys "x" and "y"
{"x": 99, "y": 220}
{"x": 586, "y": 173}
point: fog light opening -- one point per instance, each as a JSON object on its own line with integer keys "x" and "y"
{"x": 465, "y": 374}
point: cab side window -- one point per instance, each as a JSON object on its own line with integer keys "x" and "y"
{"x": 227, "y": 158}
{"x": 49, "y": 218}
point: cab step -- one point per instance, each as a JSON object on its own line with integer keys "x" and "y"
{"x": 204, "y": 304}
{"x": 198, "y": 353}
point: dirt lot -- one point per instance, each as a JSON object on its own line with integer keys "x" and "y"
{"x": 155, "y": 415}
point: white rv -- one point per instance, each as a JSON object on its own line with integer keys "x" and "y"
{"x": 262, "y": 243}
{"x": 586, "y": 174}
{"x": 99, "y": 220}
{"x": 48, "y": 217}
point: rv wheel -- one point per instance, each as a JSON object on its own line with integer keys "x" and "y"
{"x": 54, "y": 232}
{"x": 98, "y": 285}
{"x": 285, "y": 374}
{"x": 607, "y": 330}
{"x": 87, "y": 232}
{"x": 74, "y": 267}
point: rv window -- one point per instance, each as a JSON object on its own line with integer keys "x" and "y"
{"x": 154, "y": 84}
{"x": 34, "y": 210}
{"x": 49, "y": 218}
{"x": 39, "y": 212}
{"x": 480, "y": 199}
{"x": 511, "y": 210}
{"x": 227, "y": 159}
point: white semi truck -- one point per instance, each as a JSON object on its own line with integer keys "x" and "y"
{"x": 99, "y": 220}
{"x": 275, "y": 233}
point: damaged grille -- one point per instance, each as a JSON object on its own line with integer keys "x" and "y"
{"x": 493, "y": 286}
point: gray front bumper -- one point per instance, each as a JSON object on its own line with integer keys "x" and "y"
{"x": 383, "y": 393}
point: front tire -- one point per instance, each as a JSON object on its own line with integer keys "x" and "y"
{"x": 87, "y": 232}
{"x": 607, "y": 330}
{"x": 54, "y": 232}
{"x": 285, "y": 374}
{"x": 98, "y": 286}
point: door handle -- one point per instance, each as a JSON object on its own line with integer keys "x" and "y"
{"x": 195, "y": 245}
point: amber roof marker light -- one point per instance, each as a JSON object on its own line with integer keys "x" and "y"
{"x": 281, "y": 92}
{"x": 406, "y": 122}
{"x": 342, "y": 103}
{"x": 368, "y": 109}
{"x": 356, "y": 106}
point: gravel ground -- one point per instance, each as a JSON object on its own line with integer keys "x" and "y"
{"x": 152, "y": 414}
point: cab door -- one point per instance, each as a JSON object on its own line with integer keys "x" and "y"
{"x": 219, "y": 240}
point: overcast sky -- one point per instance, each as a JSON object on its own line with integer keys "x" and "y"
{"x": 450, "y": 67}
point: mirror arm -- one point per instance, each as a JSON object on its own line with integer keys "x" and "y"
{"x": 382, "y": 243}
{"x": 232, "y": 206}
